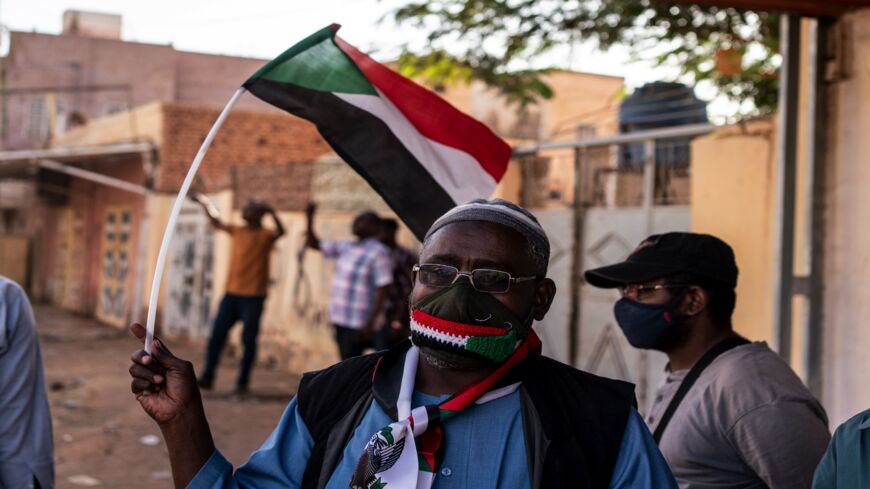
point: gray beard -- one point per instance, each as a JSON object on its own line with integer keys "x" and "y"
{"x": 444, "y": 359}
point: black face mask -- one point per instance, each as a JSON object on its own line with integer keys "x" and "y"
{"x": 649, "y": 326}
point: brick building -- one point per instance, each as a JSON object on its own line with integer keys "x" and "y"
{"x": 53, "y": 82}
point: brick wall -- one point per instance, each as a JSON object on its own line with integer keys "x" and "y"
{"x": 285, "y": 186}
{"x": 207, "y": 79}
{"x": 254, "y": 154}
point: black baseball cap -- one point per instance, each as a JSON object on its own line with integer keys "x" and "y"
{"x": 666, "y": 254}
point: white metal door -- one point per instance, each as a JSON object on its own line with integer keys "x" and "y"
{"x": 189, "y": 279}
{"x": 609, "y": 236}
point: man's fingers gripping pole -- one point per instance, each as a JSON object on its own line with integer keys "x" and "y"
{"x": 173, "y": 217}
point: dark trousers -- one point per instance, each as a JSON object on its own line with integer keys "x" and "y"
{"x": 352, "y": 342}
{"x": 235, "y": 308}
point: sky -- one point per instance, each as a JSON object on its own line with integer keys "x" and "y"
{"x": 264, "y": 28}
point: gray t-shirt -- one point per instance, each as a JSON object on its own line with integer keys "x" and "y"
{"x": 748, "y": 422}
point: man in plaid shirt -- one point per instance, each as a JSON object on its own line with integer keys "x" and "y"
{"x": 363, "y": 275}
{"x": 398, "y": 316}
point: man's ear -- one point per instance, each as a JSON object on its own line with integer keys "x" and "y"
{"x": 696, "y": 301}
{"x": 544, "y": 294}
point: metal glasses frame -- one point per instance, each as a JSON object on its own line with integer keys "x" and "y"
{"x": 458, "y": 273}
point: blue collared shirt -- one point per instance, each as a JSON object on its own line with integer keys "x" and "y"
{"x": 485, "y": 449}
{"x": 846, "y": 464}
{"x": 26, "y": 449}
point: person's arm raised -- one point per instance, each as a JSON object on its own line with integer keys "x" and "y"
{"x": 211, "y": 211}
{"x": 166, "y": 388}
{"x": 311, "y": 239}
{"x": 279, "y": 226}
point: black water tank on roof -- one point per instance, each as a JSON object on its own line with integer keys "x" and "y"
{"x": 654, "y": 106}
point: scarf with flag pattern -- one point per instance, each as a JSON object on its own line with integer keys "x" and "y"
{"x": 406, "y": 454}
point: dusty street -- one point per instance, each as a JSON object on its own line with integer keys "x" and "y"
{"x": 103, "y": 439}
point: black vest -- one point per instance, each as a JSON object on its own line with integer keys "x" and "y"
{"x": 573, "y": 421}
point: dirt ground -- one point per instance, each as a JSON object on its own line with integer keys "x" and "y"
{"x": 101, "y": 436}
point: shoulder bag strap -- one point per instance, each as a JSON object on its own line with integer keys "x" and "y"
{"x": 691, "y": 377}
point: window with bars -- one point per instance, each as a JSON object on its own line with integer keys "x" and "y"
{"x": 37, "y": 120}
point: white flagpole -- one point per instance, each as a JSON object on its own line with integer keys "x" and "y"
{"x": 173, "y": 216}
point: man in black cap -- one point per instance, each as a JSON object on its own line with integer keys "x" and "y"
{"x": 730, "y": 413}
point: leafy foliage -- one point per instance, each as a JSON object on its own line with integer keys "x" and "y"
{"x": 488, "y": 39}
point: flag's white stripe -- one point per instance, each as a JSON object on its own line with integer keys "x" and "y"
{"x": 438, "y": 335}
{"x": 461, "y": 176}
{"x": 421, "y": 420}
{"x": 497, "y": 393}
{"x": 406, "y": 390}
{"x": 425, "y": 479}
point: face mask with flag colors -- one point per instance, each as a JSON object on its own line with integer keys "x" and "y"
{"x": 463, "y": 320}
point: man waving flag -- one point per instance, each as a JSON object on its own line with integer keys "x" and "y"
{"x": 422, "y": 155}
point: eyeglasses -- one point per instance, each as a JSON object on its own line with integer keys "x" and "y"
{"x": 636, "y": 290}
{"x": 482, "y": 279}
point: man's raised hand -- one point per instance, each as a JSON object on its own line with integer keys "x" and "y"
{"x": 164, "y": 385}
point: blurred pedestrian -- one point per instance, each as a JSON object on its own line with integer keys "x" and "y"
{"x": 26, "y": 447}
{"x": 846, "y": 464}
{"x": 246, "y": 286}
{"x": 730, "y": 413}
{"x": 362, "y": 279}
{"x": 398, "y": 315}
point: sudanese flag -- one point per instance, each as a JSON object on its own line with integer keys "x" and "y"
{"x": 422, "y": 155}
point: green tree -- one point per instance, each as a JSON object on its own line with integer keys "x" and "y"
{"x": 494, "y": 40}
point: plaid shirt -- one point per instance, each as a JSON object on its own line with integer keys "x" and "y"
{"x": 361, "y": 268}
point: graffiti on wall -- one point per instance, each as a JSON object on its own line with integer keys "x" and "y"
{"x": 190, "y": 275}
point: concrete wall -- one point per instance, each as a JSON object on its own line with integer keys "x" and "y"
{"x": 580, "y": 99}
{"x": 846, "y": 344}
{"x": 732, "y": 194}
{"x": 142, "y": 123}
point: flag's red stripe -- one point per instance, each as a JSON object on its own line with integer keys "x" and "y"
{"x": 457, "y": 329}
{"x": 473, "y": 392}
{"x": 430, "y": 441}
{"x": 432, "y": 116}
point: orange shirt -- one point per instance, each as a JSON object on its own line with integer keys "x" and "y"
{"x": 249, "y": 261}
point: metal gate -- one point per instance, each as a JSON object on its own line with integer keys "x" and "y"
{"x": 597, "y": 211}
{"x": 609, "y": 235}
{"x": 189, "y": 280}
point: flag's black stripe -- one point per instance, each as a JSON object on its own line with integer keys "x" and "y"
{"x": 368, "y": 145}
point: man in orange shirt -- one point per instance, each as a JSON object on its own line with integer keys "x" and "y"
{"x": 247, "y": 283}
